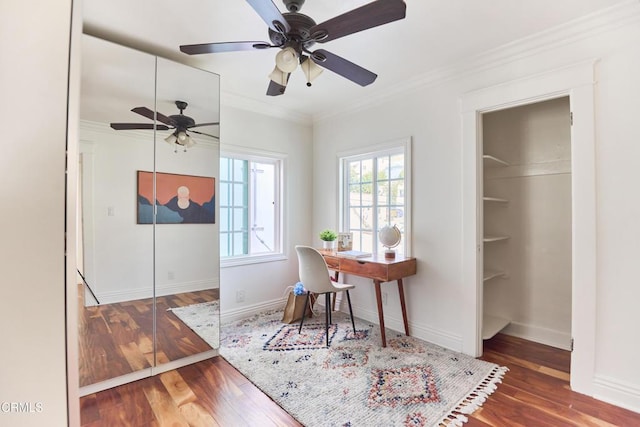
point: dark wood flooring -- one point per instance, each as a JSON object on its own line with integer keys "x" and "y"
{"x": 117, "y": 339}
{"x": 535, "y": 392}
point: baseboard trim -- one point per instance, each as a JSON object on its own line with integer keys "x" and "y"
{"x": 616, "y": 392}
{"x": 250, "y": 310}
{"x": 540, "y": 335}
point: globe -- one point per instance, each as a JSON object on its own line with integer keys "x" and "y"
{"x": 389, "y": 236}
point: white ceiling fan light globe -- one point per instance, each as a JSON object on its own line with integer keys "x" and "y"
{"x": 278, "y": 76}
{"x": 311, "y": 70}
{"x": 182, "y": 137}
{"x": 171, "y": 139}
{"x": 287, "y": 60}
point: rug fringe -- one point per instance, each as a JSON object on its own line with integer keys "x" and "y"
{"x": 474, "y": 400}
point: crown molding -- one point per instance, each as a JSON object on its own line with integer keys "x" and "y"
{"x": 604, "y": 20}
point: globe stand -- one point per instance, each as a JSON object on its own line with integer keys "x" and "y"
{"x": 389, "y": 254}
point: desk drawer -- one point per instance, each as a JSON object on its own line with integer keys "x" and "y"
{"x": 373, "y": 270}
{"x": 332, "y": 262}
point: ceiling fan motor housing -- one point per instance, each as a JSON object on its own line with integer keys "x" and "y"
{"x": 300, "y": 34}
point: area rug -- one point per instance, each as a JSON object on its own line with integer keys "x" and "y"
{"x": 356, "y": 382}
{"x": 203, "y": 319}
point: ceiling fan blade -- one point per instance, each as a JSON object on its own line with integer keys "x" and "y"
{"x": 275, "y": 89}
{"x": 203, "y": 124}
{"x": 196, "y": 49}
{"x": 150, "y": 114}
{"x": 128, "y": 126}
{"x": 205, "y": 134}
{"x": 345, "y": 68}
{"x": 368, "y": 16}
{"x": 270, "y": 14}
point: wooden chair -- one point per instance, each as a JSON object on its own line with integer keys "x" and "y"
{"x": 314, "y": 275}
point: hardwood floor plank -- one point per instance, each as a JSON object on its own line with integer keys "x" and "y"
{"x": 213, "y": 393}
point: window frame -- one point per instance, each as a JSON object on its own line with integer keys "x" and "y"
{"x": 279, "y": 161}
{"x": 399, "y": 146}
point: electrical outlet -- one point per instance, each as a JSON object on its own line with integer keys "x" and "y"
{"x": 239, "y": 296}
{"x": 171, "y": 275}
{"x": 384, "y": 298}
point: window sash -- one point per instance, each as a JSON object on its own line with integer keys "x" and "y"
{"x": 239, "y": 207}
{"x": 382, "y": 194}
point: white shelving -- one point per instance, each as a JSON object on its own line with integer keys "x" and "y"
{"x": 491, "y": 325}
{"x": 495, "y": 199}
{"x": 489, "y": 239}
{"x": 490, "y": 274}
{"x": 493, "y": 162}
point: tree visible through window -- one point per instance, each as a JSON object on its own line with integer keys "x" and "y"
{"x": 249, "y": 206}
{"x": 374, "y": 196}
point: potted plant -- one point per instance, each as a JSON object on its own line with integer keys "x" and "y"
{"x": 328, "y": 238}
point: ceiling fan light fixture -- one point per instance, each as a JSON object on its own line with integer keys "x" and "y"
{"x": 171, "y": 139}
{"x": 287, "y": 60}
{"x": 278, "y": 76}
{"x": 310, "y": 69}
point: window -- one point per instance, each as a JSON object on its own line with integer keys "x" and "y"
{"x": 375, "y": 193}
{"x": 250, "y": 209}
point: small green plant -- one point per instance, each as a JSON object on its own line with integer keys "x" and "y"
{"x": 328, "y": 235}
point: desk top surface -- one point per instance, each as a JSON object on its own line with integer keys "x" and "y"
{"x": 378, "y": 259}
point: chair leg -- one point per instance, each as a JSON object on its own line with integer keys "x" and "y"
{"x": 353, "y": 323}
{"x": 306, "y": 301}
{"x": 326, "y": 314}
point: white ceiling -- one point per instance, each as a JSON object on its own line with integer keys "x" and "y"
{"x": 435, "y": 34}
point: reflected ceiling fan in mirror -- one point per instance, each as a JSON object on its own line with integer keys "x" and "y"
{"x": 295, "y": 33}
{"x": 179, "y": 122}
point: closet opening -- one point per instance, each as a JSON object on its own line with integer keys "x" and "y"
{"x": 525, "y": 184}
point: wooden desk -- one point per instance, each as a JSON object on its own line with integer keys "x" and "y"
{"x": 380, "y": 270}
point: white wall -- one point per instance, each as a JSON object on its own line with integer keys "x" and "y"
{"x": 34, "y": 111}
{"x": 264, "y": 283}
{"x": 429, "y": 112}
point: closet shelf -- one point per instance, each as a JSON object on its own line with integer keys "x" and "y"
{"x": 488, "y": 275}
{"x": 494, "y": 199}
{"x": 488, "y": 239}
{"x": 491, "y": 325}
{"x": 492, "y": 161}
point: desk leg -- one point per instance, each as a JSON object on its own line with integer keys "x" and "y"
{"x": 380, "y": 313}
{"x": 404, "y": 307}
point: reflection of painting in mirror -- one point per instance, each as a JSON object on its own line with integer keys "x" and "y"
{"x": 157, "y": 287}
{"x": 180, "y": 199}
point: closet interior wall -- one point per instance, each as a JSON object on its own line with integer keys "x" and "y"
{"x": 527, "y": 222}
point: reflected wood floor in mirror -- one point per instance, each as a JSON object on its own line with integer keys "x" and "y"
{"x": 535, "y": 392}
{"x": 117, "y": 339}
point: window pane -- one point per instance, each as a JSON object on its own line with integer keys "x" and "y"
{"x": 397, "y": 166}
{"x": 383, "y": 193}
{"x": 383, "y": 167}
{"x": 367, "y": 194}
{"x": 224, "y": 244}
{"x": 397, "y": 193}
{"x": 239, "y": 170}
{"x": 354, "y": 172}
{"x": 367, "y": 171}
{"x": 224, "y": 194}
{"x": 239, "y": 220}
{"x": 383, "y": 217}
{"x": 239, "y": 195}
{"x": 224, "y": 169}
{"x": 239, "y": 247}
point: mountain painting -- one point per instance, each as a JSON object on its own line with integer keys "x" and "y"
{"x": 180, "y": 199}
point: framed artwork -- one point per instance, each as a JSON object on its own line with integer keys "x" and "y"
{"x": 345, "y": 241}
{"x": 180, "y": 199}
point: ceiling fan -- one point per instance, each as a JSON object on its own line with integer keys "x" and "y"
{"x": 295, "y": 33}
{"x": 179, "y": 122}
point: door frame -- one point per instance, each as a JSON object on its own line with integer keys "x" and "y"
{"x": 576, "y": 81}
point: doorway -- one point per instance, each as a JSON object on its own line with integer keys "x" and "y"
{"x": 526, "y": 221}
{"x": 577, "y": 83}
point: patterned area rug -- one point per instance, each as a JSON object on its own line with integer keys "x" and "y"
{"x": 203, "y": 319}
{"x": 356, "y": 382}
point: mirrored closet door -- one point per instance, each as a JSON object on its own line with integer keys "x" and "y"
{"x": 148, "y": 251}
